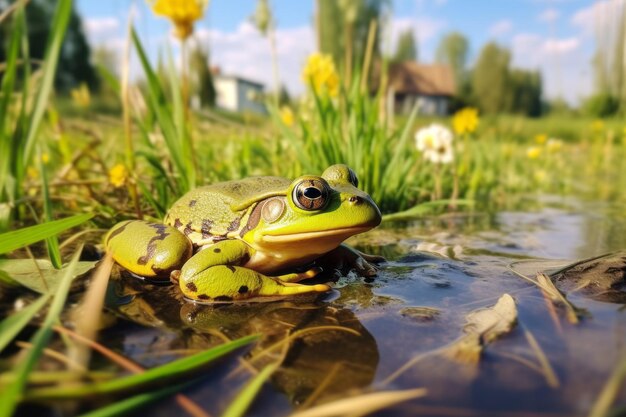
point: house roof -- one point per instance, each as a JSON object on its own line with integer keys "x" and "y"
{"x": 414, "y": 78}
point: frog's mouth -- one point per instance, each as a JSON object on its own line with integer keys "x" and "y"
{"x": 343, "y": 233}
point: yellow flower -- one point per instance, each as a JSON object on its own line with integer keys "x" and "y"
{"x": 465, "y": 120}
{"x": 320, "y": 74}
{"x": 554, "y": 145}
{"x": 597, "y": 125}
{"x": 533, "y": 152}
{"x": 540, "y": 175}
{"x": 32, "y": 173}
{"x": 81, "y": 96}
{"x": 286, "y": 115}
{"x": 182, "y": 13}
{"x": 541, "y": 139}
{"x": 118, "y": 175}
{"x": 45, "y": 158}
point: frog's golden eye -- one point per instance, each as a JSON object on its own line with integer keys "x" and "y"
{"x": 311, "y": 194}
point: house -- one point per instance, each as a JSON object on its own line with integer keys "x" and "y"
{"x": 238, "y": 94}
{"x": 429, "y": 86}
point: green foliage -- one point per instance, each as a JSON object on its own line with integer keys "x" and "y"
{"x": 342, "y": 28}
{"x": 201, "y": 79}
{"x": 169, "y": 118}
{"x": 12, "y": 395}
{"x": 526, "y": 89}
{"x": 241, "y": 403}
{"x": 15, "y": 239}
{"x": 491, "y": 79}
{"x": 164, "y": 373}
{"x": 609, "y": 62}
{"x": 11, "y": 326}
{"x": 75, "y": 66}
{"x": 498, "y": 88}
{"x": 407, "y": 48}
{"x": 134, "y": 403}
{"x": 38, "y": 275}
{"x": 453, "y": 50}
{"x": 20, "y": 112}
{"x": 350, "y": 130}
{"x": 601, "y": 105}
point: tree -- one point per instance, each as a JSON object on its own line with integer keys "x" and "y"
{"x": 74, "y": 65}
{"x": 525, "y": 90}
{"x": 201, "y": 79}
{"x": 453, "y": 50}
{"x": 407, "y": 48}
{"x": 491, "y": 79}
{"x": 343, "y": 27}
{"x": 609, "y": 62}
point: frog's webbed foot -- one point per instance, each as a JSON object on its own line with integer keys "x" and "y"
{"x": 300, "y": 276}
{"x": 345, "y": 259}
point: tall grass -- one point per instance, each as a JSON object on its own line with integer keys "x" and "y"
{"x": 23, "y": 102}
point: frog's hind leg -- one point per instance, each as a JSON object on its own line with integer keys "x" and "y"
{"x": 226, "y": 283}
{"x": 215, "y": 274}
{"x": 148, "y": 250}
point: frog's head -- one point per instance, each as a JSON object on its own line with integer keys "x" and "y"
{"x": 315, "y": 215}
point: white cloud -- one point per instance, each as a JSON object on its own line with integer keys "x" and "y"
{"x": 245, "y": 52}
{"x": 100, "y": 26}
{"x": 424, "y": 29}
{"x": 564, "y": 66}
{"x": 560, "y": 46}
{"x": 501, "y": 27}
{"x": 600, "y": 14}
{"x": 549, "y": 15}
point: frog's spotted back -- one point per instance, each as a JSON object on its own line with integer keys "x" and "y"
{"x": 216, "y": 210}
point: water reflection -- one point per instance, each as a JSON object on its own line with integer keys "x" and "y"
{"x": 329, "y": 351}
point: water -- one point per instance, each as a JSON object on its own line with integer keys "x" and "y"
{"x": 416, "y": 305}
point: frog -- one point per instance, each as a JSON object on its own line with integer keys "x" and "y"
{"x": 252, "y": 239}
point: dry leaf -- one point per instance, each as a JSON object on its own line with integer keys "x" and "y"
{"x": 483, "y": 327}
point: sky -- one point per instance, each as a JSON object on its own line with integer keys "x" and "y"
{"x": 555, "y": 37}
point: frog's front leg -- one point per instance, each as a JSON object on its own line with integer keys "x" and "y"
{"x": 216, "y": 274}
{"x": 344, "y": 259}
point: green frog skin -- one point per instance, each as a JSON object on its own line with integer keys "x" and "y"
{"x": 232, "y": 240}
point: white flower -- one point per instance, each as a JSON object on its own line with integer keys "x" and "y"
{"x": 435, "y": 143}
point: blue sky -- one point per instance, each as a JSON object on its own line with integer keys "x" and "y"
{"x": 553, "y": 36}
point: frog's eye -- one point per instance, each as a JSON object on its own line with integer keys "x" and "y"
{"x": 353, "y": 178}
{"x": 311, "y": 194}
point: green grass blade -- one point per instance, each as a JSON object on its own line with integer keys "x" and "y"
{"x": 131, "y": 404}
{"x": 158, "y": 105}
{"x": 165, "y": 372}
{"x": 10, "y": 241}
{"x": 12, "y": 325}
{"x": 52, "y": 242}
{"x": 8, "y": 83}
{"x": 51, "y": 58}
{"x": 12, "y": 394}
{"x": 240, "y": 404}
{"x": 110, "y": 79}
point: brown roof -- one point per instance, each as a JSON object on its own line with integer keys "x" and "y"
{"x": 413, "y": 78}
